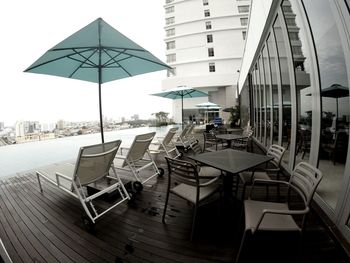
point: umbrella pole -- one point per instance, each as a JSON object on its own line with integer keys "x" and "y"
{"x": 182, "y": 112}
{"x": 100, "y": 102}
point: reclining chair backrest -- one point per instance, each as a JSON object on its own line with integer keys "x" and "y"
{"x": 169, "y": 136}
{"x": 139, "y": 147}
{"x": 94, "y": 162}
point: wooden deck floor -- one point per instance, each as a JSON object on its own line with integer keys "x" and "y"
{"x": 47, "y": 227}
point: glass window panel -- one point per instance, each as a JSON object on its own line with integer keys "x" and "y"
{"x": 283, "y": 58}
{"x": 268, "y": 95}
{"x": 255, "y": 103}
{"x": 271, "y": 47}
{"x": 301, "y": 62}
{"x": 244, "y": 105}
{"x": 262, "y": 101}
{"x": 335, "y": 99}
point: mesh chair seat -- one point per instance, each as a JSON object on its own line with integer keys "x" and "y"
{"x": 189, "y": 192}
{"x": 277, "y": 222}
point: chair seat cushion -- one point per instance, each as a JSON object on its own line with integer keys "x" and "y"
{"x": 188, "y": 192}
{"x": 246, "y": 177}
{"x": 271, "y": 222}
{"x": 210, "y": 172}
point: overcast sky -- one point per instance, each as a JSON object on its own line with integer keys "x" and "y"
{"x": 30, "y": 28}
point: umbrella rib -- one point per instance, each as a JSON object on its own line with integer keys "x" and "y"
{"x": 117, "y": 61}
{"x": 58, "y": 58}
{"x": 82, "y": 62}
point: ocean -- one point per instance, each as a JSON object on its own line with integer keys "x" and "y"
{"x": 19, "y": 158}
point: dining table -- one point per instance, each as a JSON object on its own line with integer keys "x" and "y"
{"x": 231, "y": 162}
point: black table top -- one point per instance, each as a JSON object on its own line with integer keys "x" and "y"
{"x": 231, "y": 161}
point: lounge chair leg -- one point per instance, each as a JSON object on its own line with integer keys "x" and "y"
{"x": 38, "y": 176}
{"x": 165, "y": 207}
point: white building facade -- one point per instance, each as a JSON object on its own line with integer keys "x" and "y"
{"x": 204, "y": 45}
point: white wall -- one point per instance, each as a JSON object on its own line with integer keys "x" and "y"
{"x": 257, "y": 19}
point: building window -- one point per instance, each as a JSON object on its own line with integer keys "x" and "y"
{"x": 205, "y": 2}
{"x": 171, "y": 58}
{"x": 170, "y": 32}
{"x": 290, "y": 22}
{"x": 211, "y": 52}
{"x": 244, "y": 21}
{"x": 206, "y": 13}
{"x": 293, "y": 36}
{"x": 243, "y": 9}
{"x": 170, "y": 20}
{"x": 287, "y": 9}
{"x": 170, "y": 45}
{"x": 169, "y": 9}
{"x": 244, "y": 34}
{"x": 171, "y": 72}
{"x": 209, "y": 38}
{"x": 208, "y": 25}
{"x": 212, "y": 67}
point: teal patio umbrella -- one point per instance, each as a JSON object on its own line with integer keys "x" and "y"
{"x": 97, "y": 53}
{"x": 182, "y": 93}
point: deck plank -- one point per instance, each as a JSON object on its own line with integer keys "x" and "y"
{"x": 46, "y": 227}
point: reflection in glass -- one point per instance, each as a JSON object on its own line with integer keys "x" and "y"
{"x": 262, "y": 100}
{"x": 268, "y": 96}
{"x": 335, "y": 98}
{"x": 285, "y": 81}
{"x": 301, "y": 62}
{"x": 271, "y": 47}
{"x": 244, "y": 104}
{"x": 254, "y": 103}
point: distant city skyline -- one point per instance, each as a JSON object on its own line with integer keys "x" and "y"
{"x": 35, "y": 27}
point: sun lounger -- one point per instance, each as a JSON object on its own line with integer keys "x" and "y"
{"x": 185, "y": 139}
{"x": 167, "y": 145}
{"x": 136, "y": 159}
{"x": 93, "y": 164}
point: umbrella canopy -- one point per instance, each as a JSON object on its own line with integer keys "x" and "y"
{"x": 181, "y": 93}
{"x": 208, "y": 105}
{"x": 335, "y": 91}
{"x": 97, "y": 53}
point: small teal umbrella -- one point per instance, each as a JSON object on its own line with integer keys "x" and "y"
{"x": 181, "y": 93}
{"x": 97, "y": 53}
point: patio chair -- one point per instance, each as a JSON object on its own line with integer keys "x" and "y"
{"x": 242, "y": 144}
{"x": 167, "y": 145}
{"x": 203, "y": 170}
{"x": 247, "y": 177}
{"x": 190, "y": 186}
{"x": 136, "y": 159}
{"x": 273, "y": 216}
{"x": 93, "y": 164}
{"x": 210, "y": 141}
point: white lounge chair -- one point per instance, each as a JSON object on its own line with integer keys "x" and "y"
{"x": 137, "y": 158}
{"x": 185, "y": 139}
{"x": 93, "y": 164}
{"x": 166, "y": 145}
